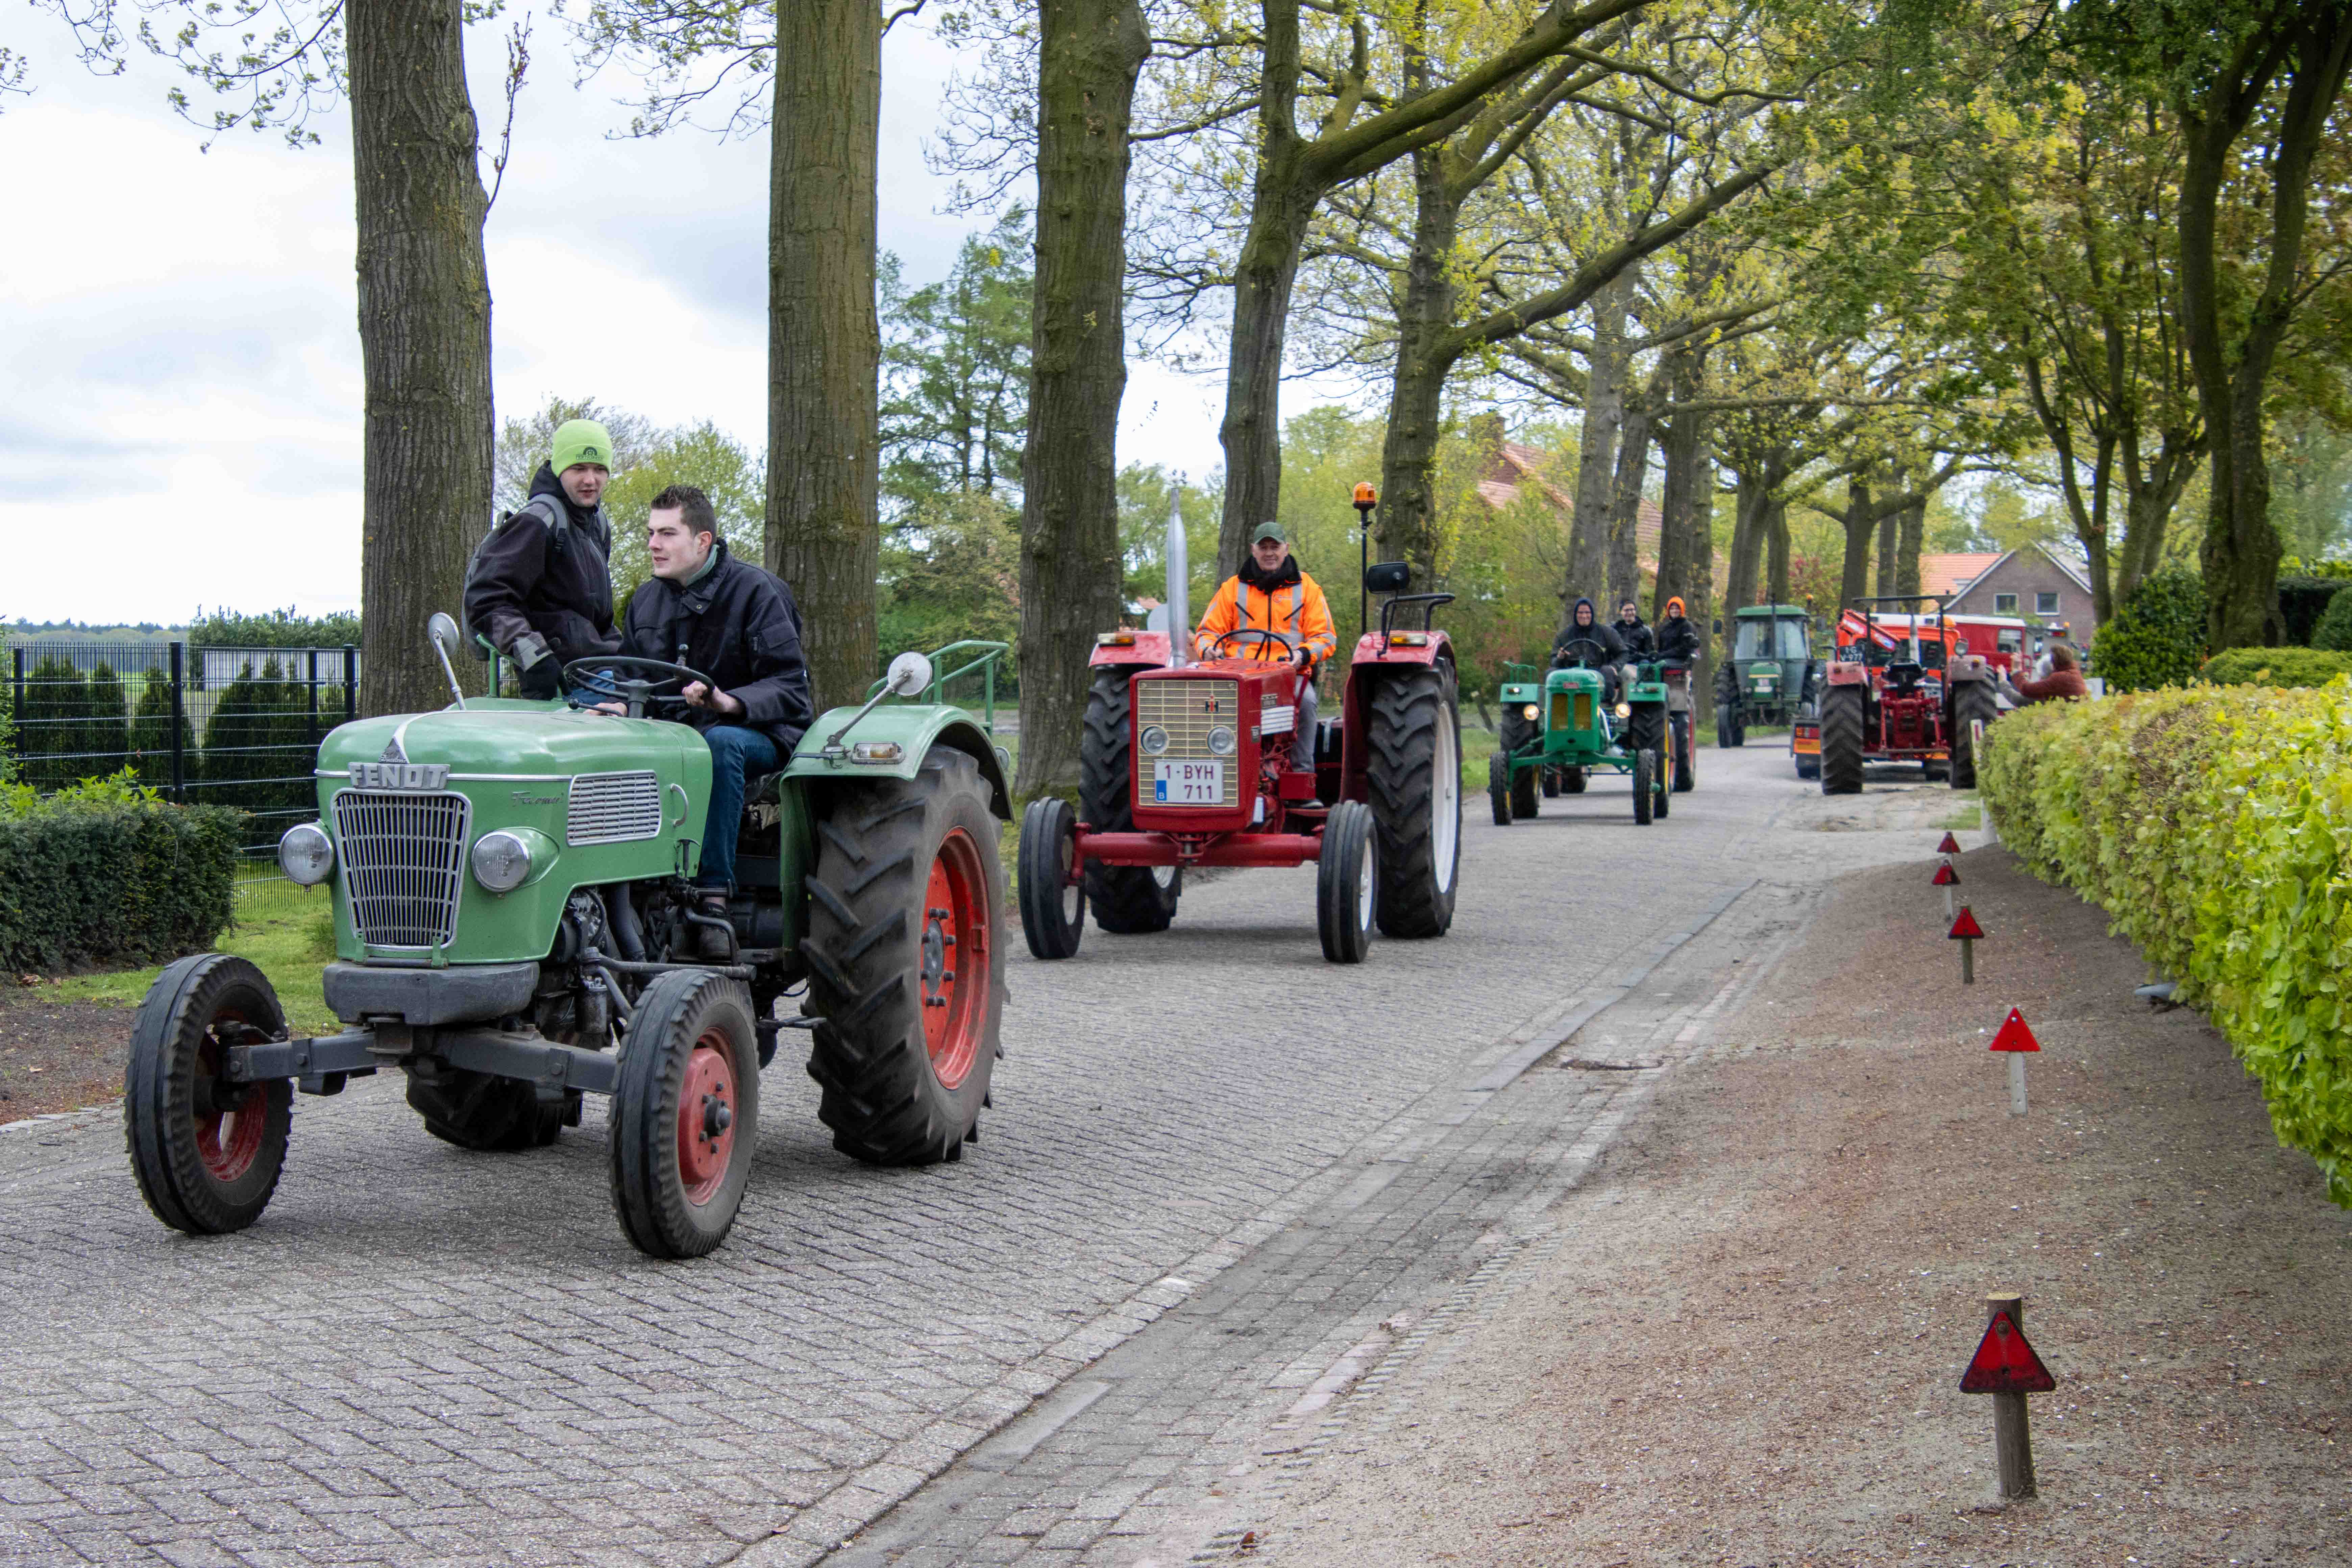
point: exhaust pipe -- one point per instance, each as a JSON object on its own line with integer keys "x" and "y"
{"x": 1180, "y": 579}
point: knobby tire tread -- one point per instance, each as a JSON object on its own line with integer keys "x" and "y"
{"x": 1842, "y": 726}
{"x": 1125, "y": 899}
{"x": 1401, "y": 739}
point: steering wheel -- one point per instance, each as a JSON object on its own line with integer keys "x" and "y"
{"x": 1252, "y": 634}
{"x": 1601, "y": 654}
{"x": 594, "y": 675}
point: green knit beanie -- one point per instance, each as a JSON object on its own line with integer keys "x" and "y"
{"x": 581, "y": 441}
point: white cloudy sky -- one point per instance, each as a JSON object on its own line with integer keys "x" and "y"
{"x": 180, "y": 424}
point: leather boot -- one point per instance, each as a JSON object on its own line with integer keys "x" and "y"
{"x": 712, "y": 946}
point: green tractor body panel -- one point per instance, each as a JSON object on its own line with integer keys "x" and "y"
{"x": 890, "y": 742}
{"x": 1771, "y": 663}
{"x": 1573, "y": 728}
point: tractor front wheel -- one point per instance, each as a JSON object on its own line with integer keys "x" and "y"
{"x": 1498, "y": 788}
{"x": 1347, "y": 883}
{"x": 1126, "y": 900}
{"x": 1972, "y": 702}
{"x": 1686, "y": 755}
{"x": 1550, "y": 783}
{"x": 1727, "y": 733}
{"x": 1053, "y": 905}
{"x": 1645, "y": 768}
{"x": 1842, "y": 727}
{"x": 685, "y": 1114}
{"x": 1527, "y": 794}
{"x": 207, "y": 1153}
{"x": 906, "y": 975}
{"x": 1413, "y": 735}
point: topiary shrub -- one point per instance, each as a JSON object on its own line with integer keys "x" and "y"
{"x": 2333, "y": 630}
{"x": 2303, "y": 597}
{"x": 2275, "y": 666}
{"x": 2209, "y": 824}
{"x": 107, "y": 874}
{"x": 2157, "y": 638}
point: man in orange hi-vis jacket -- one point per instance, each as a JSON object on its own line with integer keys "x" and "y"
{"x": 1271, "y": 595}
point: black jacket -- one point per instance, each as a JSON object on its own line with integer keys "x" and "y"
{"x": 532, "y": 576}
{"x": 1678, "y": 638}
{"x": 739, "y": 625}
{"x": 1636, "y": 635}
{"x": 1613, "y": 649}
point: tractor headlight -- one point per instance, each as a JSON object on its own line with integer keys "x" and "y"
{"x": 1529, "y": 713}
{"x": 1625, "y": 710}
{"x": 306, "y": 855}
{"x": 501, "y": 861}
{"x": 1155, "y": 740}
{"x": 1221, "y": 740}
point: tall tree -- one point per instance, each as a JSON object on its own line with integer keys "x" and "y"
{"x": 956, "y": 368}
{"x": 1089, "y": 54}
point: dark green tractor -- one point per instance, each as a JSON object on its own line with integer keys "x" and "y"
{"x": 1771, "y": 673}
{"x": 1563, "y": 725}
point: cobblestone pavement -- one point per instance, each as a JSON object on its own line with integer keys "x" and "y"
{"x": 424, "y": 1356}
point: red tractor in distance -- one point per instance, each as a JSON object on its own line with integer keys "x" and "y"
{"x": 1897, "y": 691}
{"x": 1189, "y": 762}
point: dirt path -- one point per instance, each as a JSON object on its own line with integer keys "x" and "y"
{"x": 58, "y": 1056}
{"x": 1747, "y": 1349}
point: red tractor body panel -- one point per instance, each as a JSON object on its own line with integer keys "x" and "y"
{"x": 1145, "y": 651}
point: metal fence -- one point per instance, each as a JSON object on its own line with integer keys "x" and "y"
{"x": 216, "y": 726}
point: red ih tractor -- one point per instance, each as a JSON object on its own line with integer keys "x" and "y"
{"x": 1189, "y": 762}
{"x": 1896, "y": 692}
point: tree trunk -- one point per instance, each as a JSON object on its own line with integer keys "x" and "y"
{"x": 424, "y": 339}
{"x": 1089, "y": 52}
{"x": 1588, "y": 536}
{"x": 1686, "y": 537}
{"x": 824, "y": 535}
{"x": 1425, "y": 357}
{"x": 1861, "y": 523}
{"x": 1776, "y": 570}
{"x": 1910, "y": 530}
{"x": 1625, "y": 504}
{"x": 1885, "y": 585}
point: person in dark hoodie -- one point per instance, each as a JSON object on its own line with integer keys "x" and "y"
{"x": 540, "y": 588}
{"x": 1586, "y": 641}
{"x": 1633, "y": 631}
{"x": 737, "y": 624}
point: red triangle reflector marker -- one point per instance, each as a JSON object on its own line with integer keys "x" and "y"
{"x": 2005, "y": 1363}
{"x": 1966, "y": 926}
{"x": 1945, "y": 876}
{"x": 2013, "y": 1035}
{"x": 1950, "y": 846}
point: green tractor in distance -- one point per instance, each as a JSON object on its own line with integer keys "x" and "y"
{"x": 1559, "y": 730}
{"x": 1771, "y": 673}
{"x": 515, "y": 928}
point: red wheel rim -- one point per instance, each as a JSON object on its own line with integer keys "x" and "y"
{"x": 228, "y": 1132}
{"x": 705, "y": 1117}
{"x": 954, "y": 959}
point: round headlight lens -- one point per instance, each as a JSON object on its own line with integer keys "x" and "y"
{"x": 1221, "y": 740}
{"x": 501, "y": 861}
{"x": 1625, "y": 710}
{"x": 1155, "y": 740}
{"x": 1530, "y": 714}
{"x": 306, "y": 855}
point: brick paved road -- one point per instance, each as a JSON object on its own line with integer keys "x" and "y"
{"x": 424, "y": 1356}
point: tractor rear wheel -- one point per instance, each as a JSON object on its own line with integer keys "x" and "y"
{"x": 1727, "y": 733}
{"x": 904, "y": 971}
{"x": 1550, "y": 782}
{"x": 1414, "y": 736}
{"x": 1126, "y": 900}
{"x": 685, "y": 1114}
{"x": 207, "y": 1153}
{"x": 1644, "y": 789}
{"x": 1347, "y": 883}
{"x": 1498, "y": 788}
{"x": 1972, "y": 701}
{"x": 1571, "y": 781}
{"x": 1686, "y": 755}
{"x": 1053, "y": 905}
{"x": 1842, "y": 724}
{"x": 485, "y": 1112}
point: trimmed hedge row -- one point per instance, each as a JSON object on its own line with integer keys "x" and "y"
{"x": 110, "y": 877}
{"x": 2214, "y": 826}
{"x": 2275, "y": 666}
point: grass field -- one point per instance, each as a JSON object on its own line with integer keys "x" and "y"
{"x": 288, "y": 932}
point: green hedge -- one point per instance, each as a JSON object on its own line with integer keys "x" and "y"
{"x": 2275, "y": 666}
{"x": 2214, "y": 824}
{"x": 107, "y": 875}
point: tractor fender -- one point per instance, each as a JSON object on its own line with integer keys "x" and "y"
{"x": 1969, "y": 666}
{"x": 1150, "y": 650}
{"x": 1433, "y": 646}
{"x": 1374, "y": 665}
{"x": 1846, "y": 672}
{"x": 917, "y": 727}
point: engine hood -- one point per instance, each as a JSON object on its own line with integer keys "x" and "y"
{"x": 509, "y": 737}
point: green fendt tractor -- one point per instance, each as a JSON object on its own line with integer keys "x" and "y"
{"x": 1771, "y": 673}
{"x": 515, "y": 928}
{"x": 1560, "y": 729}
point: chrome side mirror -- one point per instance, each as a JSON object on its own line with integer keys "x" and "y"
{"x": 909, "y": 673}
{"x": 444, "y": 631}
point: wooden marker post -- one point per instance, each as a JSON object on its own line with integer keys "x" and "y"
{"x": 1947, "y": 879}
{"x": 1968, "y": 933}
{"x": 2005, "y": 1367}
{"x": 2015, "y": 1039}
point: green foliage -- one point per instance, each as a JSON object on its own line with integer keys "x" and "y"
{"x": 2157, "y": 638}
{"x": 2275, "y": 666}
{"x": 105, "y": 736}
{"x": 524, "y": 443}
{"x": 272, "y": 628}
{"x": 1143, "y": 535}
{"x": 951, "y": 571}
{"x": 955, "y": 369}
{"x": 2214, "y": 826}
{"x": 257, "y": 742}
{"x": 2333, "y": 631}
{"x": 57, "y": 697}
{"x": 105, "y": 873}
{"x": 151, "y": 732}
{"x": 2303, "y": 598}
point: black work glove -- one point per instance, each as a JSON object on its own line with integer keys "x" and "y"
{"x": 541, "y": 679}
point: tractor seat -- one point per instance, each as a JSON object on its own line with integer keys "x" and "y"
{"x": 1905, "y": 677}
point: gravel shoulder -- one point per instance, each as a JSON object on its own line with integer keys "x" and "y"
{"x": 1747, "y": 1345}
{"x": 58, "y": 1055}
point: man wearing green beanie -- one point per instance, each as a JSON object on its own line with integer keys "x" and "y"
{"x": 540, "y": 587}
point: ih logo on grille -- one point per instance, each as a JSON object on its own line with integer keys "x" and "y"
{"x": 400, "y": 776}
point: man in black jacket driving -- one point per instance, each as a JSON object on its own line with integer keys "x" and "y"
{"x": 737, "y": 624}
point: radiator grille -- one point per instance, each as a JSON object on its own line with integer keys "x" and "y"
{"x": 403, "y": 857}
{"x": 614, "y": 808}
{"x": 1187, "y": 710}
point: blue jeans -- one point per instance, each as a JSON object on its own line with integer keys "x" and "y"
{"x": 737, "y": 754}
